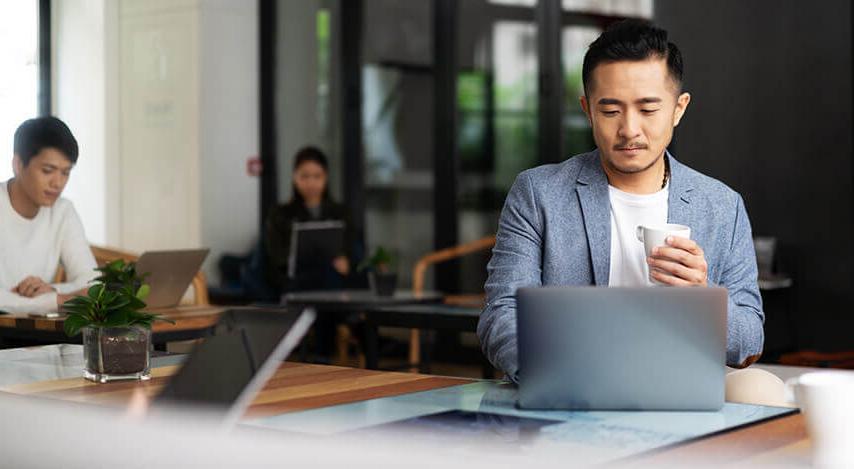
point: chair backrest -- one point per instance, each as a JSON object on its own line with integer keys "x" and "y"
{"x": 765, "y": 247}
{"x": 103, "y": 255}
{"x": 443, "y": 255}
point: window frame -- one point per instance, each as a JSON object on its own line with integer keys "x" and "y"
{"x": 45, "y": 86}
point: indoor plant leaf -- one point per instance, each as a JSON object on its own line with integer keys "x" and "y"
{"x": 117, "y": 342}
{"x": 114, "y": 300}
{"x": 119, "y": 318}
{"x": 143, "y": 291}
{"x": 96, "y": 291}
{"x": 380, "y": 261}
{"x": 73, "y": 324}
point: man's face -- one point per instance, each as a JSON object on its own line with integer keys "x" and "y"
{"x": 44, "y": 178}
{"x": 633, "y": 107}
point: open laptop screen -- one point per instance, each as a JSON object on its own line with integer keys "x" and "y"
{"x": 226, "y": 370}
{"x": 169, "y": 273}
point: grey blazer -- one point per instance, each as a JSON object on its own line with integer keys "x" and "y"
{"x": 555, "y": 229}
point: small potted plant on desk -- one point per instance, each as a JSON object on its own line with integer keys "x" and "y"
{"x": 116, "y": 334}
{"x": 381, "y": 277}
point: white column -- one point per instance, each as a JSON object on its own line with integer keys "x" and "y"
{"x": 82, "y": 67}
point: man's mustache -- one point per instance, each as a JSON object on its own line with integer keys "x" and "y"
{"x": 631, "y": 146}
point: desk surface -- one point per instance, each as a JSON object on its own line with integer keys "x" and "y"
{"x": 295, "y": 386}
{"x": 185, "y": 317}
{"x": 457, "y": 417}
{"x": 357, "y": 299}
{"x": 778, "y": 443}
{"x": 438, "y": 309}
{"x": 369, "y": 395}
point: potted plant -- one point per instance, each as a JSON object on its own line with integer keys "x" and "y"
{"x": 116, "y": 334}
{"x": 381, "y": 277}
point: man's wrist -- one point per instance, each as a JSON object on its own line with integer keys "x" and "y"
{"x": 60, "y": 299}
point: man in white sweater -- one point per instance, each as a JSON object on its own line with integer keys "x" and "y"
{"x": 38, "y": 229}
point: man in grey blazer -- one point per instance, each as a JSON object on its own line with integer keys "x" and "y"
{"x": 571, "y": 223}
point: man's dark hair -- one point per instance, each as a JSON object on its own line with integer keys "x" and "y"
{"x": 304, "y": 155}
{"x": 34, "y": 135}
{"x": 632, "y": 40}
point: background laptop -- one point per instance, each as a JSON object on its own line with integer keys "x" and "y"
{"x": 313, "y": 242}
{"x": 169, "y": 274}
{"x": 224, "y": 372}
{"x": 598, "y": 348}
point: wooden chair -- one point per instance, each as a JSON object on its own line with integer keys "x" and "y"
{"x": 418, "y": 274}
{"x": 104, "y": 255}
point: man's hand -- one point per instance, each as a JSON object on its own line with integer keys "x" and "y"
{"x": 32, "y": 286}
{"x": 681, "y": 263}
{"x": 62, "y": 298}
{"x": 341, "y": 265}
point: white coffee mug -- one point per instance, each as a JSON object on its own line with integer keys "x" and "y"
{"x": 654, "y": 236}
{"x": 827, "y": 400}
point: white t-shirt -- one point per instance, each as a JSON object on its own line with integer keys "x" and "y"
{"x": 628, "y": 211}
{"x": 35, "y": 247}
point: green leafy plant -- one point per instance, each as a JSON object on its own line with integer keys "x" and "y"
{"x": 115, "y": 300}
{"x": 381, "y": 261}
{"x": 119, "y": 274}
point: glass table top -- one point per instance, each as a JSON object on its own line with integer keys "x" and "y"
{"x": 485, "y": 412}
{"x": 58, "y": 361}
{"x": 458, "y": 417}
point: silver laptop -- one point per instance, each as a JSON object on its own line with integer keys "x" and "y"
{"x": 598, "y": 348}
{"x": 224, "y": 373}
{"x": 169, "y": 274}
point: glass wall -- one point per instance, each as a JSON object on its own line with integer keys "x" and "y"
{"x": 498, "y": 96}
{"x": 497, "y": 102}
{"x": 633, "y": 8}
{"x": 575, "y": 38}
{"x": 577, "y": 137}
{"x": 397, "y": 120}
{"x": 497, "y": 118}
{"x": 306, "y": 88}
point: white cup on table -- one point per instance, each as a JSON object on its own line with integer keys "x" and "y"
{"x": 653, "y": 236}
{"x": 826, "y": 399}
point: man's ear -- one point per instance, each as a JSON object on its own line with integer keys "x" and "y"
{"x": 681, "y": 105}
{"x": 586, "y": 108}
{"x": 17, "y": 165}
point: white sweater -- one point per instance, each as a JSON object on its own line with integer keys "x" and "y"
{"x": 36, "y": 247}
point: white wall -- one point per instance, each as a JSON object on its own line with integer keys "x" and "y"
{"x": 228, "y": 109}
{"x": 19, "y": 85}
{"x": 159, "y": 86}
{"x": 162, "y": 96}
{"x": 80, "y": 64}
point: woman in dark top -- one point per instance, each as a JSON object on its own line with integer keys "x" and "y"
{"x": 310, "y": 202}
